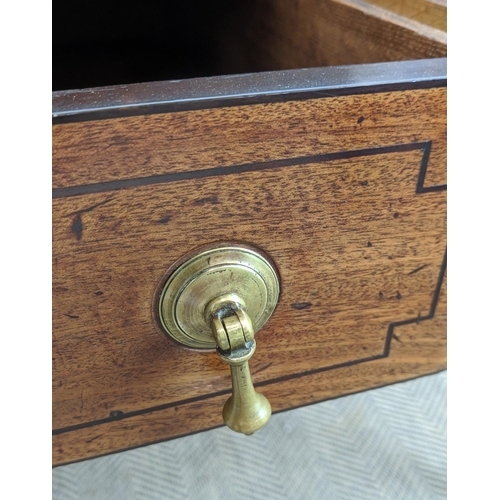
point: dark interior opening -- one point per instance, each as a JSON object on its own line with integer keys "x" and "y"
{"x": 106, "y": 42}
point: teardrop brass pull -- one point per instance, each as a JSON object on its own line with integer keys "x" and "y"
{"x": 218, "y": 299}
{"x": 246, "y": 410}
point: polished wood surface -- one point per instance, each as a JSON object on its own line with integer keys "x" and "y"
{"x": 143, "y": 146}
{"x": 346, "y": 194}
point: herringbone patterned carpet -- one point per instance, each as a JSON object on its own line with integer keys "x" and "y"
{"x": 388, "y": 443}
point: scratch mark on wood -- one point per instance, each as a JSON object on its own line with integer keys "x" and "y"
{"x": 94, "y": 438}
{"x": 89, "y": 209}
{"x": 263, "y": 368}
{"x": 417, "y": 270}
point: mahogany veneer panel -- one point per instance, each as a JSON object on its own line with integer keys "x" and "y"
{"x": 346, "y": 194}
{"x": 135, "y": 147}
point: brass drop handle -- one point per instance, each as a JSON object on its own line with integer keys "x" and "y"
{"x": 218, "y": 299}
{"x": 246, "y": 410}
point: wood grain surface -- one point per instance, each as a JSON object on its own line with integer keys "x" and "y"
{"x": 280, "y": 34}
{"x": 346, "y": 194}
{"x": 143, "y": 146}
{"x": 430, "y": 12}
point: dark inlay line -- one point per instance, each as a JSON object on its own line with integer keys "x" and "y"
{"x": 430, "y": 189}
{"x": 120, "y": 415}
{"x": 418, "y": 319}
{"x": 235, "y": 169}
{"x": 437, "y": 291}
{"x": 319, "y": 370}
{"x": 423, "y": 170}
{"x": 275, "y": 412}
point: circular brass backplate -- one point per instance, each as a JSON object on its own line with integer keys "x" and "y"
{"x": 229, "y": 273}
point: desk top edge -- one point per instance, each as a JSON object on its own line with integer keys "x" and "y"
{"x": 251, "y": 88}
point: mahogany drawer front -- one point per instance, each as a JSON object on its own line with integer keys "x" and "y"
{"x": 345, "y": 189}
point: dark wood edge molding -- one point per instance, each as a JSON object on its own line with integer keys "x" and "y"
{"x": 102, "y": 103}
{"x": 425, "y": 147}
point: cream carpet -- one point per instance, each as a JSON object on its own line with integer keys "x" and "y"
{"x": 388, "y": 443}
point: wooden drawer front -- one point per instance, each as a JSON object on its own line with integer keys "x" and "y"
{"x": 346, "y": 194}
